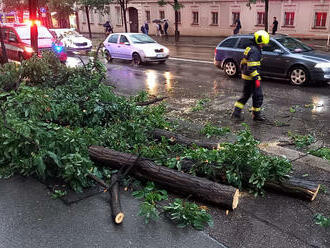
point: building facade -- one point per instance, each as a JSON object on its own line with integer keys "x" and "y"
{"x": 303, "y": 18}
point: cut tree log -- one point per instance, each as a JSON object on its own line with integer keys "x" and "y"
{"x": 180, "y": 139}
{"x": 179, "y": 182}
{"x": 116, "y": 213}
{"x": 295, "y": 187}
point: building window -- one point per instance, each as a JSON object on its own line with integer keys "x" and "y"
{"x": 261, "y": 18}
{"x": 100, "y": 17}
{"x": 148, "y": 16}
{"x": 195, "y": 17}
{"x": 162, "y": 14}
{"x": 320, "y": 19}
{"x": 84, "y": 17}
{"x": 289, "y": 18}
{"x": 235, "y": 16}
{"x": 118, "y": 16}
{"x": 215, "y": 18}
{"x": 91, "y": 16}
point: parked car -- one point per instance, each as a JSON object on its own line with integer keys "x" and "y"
{"x": 17, "y": 41}
{"x": 72, "y": 40}
{"x": 283, "y": 57}
{"x": 136, "y": 47}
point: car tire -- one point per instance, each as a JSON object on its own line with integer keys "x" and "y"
{"x": 136, "y": 59}
{"x": 230, "y": 68}
{"x": 108, "y": 56}
{"x": 162, "y": 62}
{"x": 299, "y": 76}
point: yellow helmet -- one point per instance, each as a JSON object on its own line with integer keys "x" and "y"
{"x": 261, "y": 37}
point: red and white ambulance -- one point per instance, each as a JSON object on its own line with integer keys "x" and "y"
{"x": 17, "y": 41}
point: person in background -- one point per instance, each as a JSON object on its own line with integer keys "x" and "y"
{"x": 158, "y": 29}
{"x": 146, "y": 28}
{"x": 274, "y": 27}
{"x": 165, "y": 29}
{"x": 108, "y": 28}
{"x": 237, "y": 26}
{"x": 143, "y": 30}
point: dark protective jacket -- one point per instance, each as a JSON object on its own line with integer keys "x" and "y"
{"x": 251, "y": 62}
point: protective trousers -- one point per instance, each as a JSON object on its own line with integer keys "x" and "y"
{"x": 248, "y": 90}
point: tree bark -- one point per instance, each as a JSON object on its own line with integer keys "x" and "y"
{"x": 266, "y": 14}
{"x": 88, "y": 22}
{"x": 176, "y": 33}
{"x": 180, "y": 139}
{"x": 295, "y": 187}
{"x": 179, "y": 182}
{"x": 116, "y": 213}
{"x": 152, "y": 101}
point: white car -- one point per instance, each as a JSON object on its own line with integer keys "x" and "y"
{"x": 72, "y": 40}
{"x": 134, "y": 46}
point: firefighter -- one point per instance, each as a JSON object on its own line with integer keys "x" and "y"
{"x": 250, "y": 68}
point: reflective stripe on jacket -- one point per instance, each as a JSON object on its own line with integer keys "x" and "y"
{"x": 251, "y": 63}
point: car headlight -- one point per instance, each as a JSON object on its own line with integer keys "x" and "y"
{"x": 322, "y": 65}
{"x": 166, "y": 50}
{"x": 149, "y": 53}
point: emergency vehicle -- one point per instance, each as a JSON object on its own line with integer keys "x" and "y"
{"x": 17, "y": 41}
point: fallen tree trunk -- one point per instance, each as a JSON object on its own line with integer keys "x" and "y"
{"x": 180, "y": 139}
{"x": 297, "y": 187}
{"x": 294, "y": 187}
{"x": 201, "y": 188}
{"x": 116, "y": 213}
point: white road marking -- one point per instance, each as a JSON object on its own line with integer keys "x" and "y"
{"x": 192, "y": 60}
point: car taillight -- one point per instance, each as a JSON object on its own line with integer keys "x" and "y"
{"x": 28, "y": 49}
{"x": 215, "y": 51}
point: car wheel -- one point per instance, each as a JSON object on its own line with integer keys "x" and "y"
{"x": 136, "y": 59}
{"x": 162, "y": 62}
{"x": 230, "y": 68}
{"x": 298, "y": 76}
{"x": 108, "y": 56}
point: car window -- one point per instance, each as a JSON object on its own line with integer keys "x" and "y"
{"x": 4, "y": 33}
{"x": 229, "y": 42}
{"x": 24, "y": 33}
{"x": 113, "y": 38}
{"x": 294, "y": 45}
{"x": 271, "y": 47}
{"x": 141, "y": 39}
{"x": 244, "y": 42}
{"x": 123, "y": 39}
{"x": 12, "y": 36}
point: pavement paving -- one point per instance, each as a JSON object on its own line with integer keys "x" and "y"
{"x": 30, "y": 218}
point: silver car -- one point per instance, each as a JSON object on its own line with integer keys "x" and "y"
{"x": 136, "y": 47}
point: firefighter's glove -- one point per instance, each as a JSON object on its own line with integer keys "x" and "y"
{"x": 257, "y": 83}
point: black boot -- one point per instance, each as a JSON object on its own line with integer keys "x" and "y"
{"x": 237, "y": 114}
{"x": 256, "y": 116}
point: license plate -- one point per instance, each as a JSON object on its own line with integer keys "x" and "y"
{"x": 160, "y": 55}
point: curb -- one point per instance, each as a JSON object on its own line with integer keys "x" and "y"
{"x": 313, "y": 161}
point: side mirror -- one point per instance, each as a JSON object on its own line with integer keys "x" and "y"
{"x": 127, "y": 43}
{"x": 279, "y": 51}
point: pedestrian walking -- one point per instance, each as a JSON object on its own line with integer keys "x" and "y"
{"x": 143, "y": 30}
{"x": 165, "y": 29}
{"x": 250, "y": 67}
{"x": 108, "y": 28}
{"x": 146, "y": 28}
{"x": 238, "y": 26}
{"x": 274, "y": 27}
{"x": 158, "y": 28}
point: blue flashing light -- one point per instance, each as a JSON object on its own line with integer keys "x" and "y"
{"x": 58, "y": 49}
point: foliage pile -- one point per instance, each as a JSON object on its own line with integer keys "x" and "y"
{"x": 323, "y": 152}
{"x": 51, "y": 114}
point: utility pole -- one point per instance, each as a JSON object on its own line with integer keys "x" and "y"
{"x": 34, "y": 28}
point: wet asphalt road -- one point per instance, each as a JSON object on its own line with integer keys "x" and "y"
{"x": 302, "y": 110}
